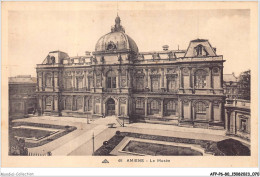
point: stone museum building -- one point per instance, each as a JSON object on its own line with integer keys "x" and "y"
{"x": 180, "y": 87}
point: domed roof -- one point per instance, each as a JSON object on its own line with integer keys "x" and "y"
{"x": 116, "y": 40}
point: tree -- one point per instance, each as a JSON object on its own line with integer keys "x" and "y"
{"x": 244, "y": 85}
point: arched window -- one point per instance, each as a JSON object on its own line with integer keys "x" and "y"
{"x": 139, "y": 106}
{"x": 200, "y": 109}
{"x": 79, "y": 105}
{"x": 48, "y": 103}
{"x": 154, "y": 107}
{"x": 111, "y": 80}
{"x": 200, "y": 79}
{"x": 170, "y": 108}
{"x": 48, "y": 80}
{"x": 140, "y": 83}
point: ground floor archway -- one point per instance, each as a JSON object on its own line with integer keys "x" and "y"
{"x": 110, "y": 107}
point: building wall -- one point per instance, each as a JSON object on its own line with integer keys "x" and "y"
{"x": 22, "y": 99}
{"x": 238, "y": 118}
{"x": 155, "y": 84}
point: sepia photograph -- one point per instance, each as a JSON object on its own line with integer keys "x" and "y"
{"x": 119, "y": 83}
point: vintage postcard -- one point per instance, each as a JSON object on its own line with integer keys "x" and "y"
{"x": 129, "y": 84}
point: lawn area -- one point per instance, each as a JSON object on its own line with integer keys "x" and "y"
{"x": 228, "y": 147}
{"x": 159, "y": 149}
{"x": 31, "y": 133}
{"x": 45, "y": 136}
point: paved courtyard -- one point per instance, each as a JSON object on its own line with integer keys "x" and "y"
{"x": 80, "y": 141}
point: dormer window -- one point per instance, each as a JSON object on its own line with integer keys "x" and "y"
{"x": 200, "y": 50}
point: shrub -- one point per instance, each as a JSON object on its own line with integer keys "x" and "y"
{"x": 118, "y": 132}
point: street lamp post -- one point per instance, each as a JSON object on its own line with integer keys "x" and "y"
{"x": 93, "y": 140}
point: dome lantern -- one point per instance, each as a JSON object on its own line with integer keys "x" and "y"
{"x": 116, "y": 40}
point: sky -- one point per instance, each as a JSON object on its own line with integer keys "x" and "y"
{"x": 33, "y": 33}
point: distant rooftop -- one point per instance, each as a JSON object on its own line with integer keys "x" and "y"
{"x": 230, "y": 77}
{"x": 22, "y": 79}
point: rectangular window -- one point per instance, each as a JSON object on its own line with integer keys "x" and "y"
{"x": 68, "y": 83}
{"x": 172, "y": 85}
{"x": 155, "y": 84}
{"x": 154, "y": 105}
{"x": 79, "y": 83}
{"x": 90, "y": 83}
{"x": 139, "y": 104}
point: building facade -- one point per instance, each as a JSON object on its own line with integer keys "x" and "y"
{"x": 230, "y": 86}
{"x": 22, "y": 96}
{"x": 182, "y": 87}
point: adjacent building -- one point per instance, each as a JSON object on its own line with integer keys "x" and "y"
{"x": 181, "y": 87}
{"x": 238, "y": 118}
{"x": 230, "y": 86}
{"x": 22, "y": 96}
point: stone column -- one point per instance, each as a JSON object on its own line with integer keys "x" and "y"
{"x": 56, "y": 105}
{"x": 84, "y": 80}
{"x": 43, "y": 105}
{"x": 118, "y": 107}
{"x": 72, "y": 80}
{"x": 146, "y": 78}
{"x": 180, "y": 110}
{"x": 221, "y": 111}
{"x": 118, "y": 78}
{"x": 210, "y": 78}
{"x": 83, "y": 103}
{"x": 127, "y": 106}
{"x": 38, "y": 86}
{"x": 93, "y": 105}
{"x": 192, "y": 111}
{"x": 180, "y": 78}
{"x": 221, "y": 77}
{"x": 72, "y": 102}
{"x": 228, "y": 120}
{"x": 162, "y": 106}
{"x": 101, "y": 105}
{"x": 211, "y": 119}
{"x": 191, "y": 84}
{"x": 53, "y": 81}
{"x": 53, "y": 103}
{"x": 149, "y": 81}
{"x": 127, "y": 77}
{"x": 145, "y": 107}
{"x": 162, "y": 78}
{"x": 42, "y": 82}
